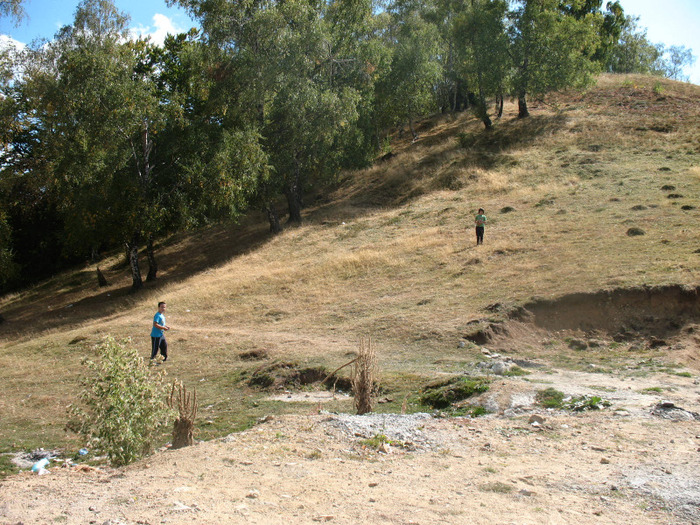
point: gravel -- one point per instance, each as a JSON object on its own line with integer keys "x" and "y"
{"x": 404, "y": 428}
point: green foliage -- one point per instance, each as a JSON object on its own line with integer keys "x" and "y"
{"x": 377, "y": 441}
{"x": 482, "y": 51}
{"x": 443, "y": 394}
{"x": 632, "y": 52}
{"x": 550, "y": 397}
{"x": 123, "y": 403}
{"x": 471, "y": 411}
{"x": 585, "y": 402}
{"x": 553, "y": 398}
{"x": 12, "y": 9}
{"x": 551, "y": 50}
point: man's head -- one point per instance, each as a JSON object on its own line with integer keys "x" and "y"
{"x": 161, "y": 306}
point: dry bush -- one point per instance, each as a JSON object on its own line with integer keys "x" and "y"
{"x": 183, "y": 427}
{"x": 364, "y": 377}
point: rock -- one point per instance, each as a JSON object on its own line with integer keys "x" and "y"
{"x": 604, "y": 461}
{"x": 253, "y": 494}
{"x": 384, "y": 448}
{"x": 534, "y": 418}
{"x": 499, "y": 368}
{"x": 634, "y": 232}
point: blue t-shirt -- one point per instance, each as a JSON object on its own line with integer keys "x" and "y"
{"x": 159, "y": 318}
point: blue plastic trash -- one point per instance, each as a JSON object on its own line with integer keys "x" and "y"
{"x": 40, "y": 465}
{"x": 83, "y": 451}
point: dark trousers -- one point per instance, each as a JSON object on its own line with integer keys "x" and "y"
{"x": 479, "y": 235}
{"x": 159, "y": 343}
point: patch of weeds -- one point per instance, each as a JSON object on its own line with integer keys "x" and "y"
{"x": 498, "y": 487}
{"x": 585, "y": 402}
{"x": 652, "y": 390}
{"x": 490, "y": 470}
{"x": 550, "y": 397}
{"x": 378, "y": 440}
{"x": 683, "y": 374}
{"x": 444, "y": 393}
{"x": 471, "y": 411}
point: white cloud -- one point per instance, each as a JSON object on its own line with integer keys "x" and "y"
{"x": 7, "y": 41}
{"x": 162, "y": 26}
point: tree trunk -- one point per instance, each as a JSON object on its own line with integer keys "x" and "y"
{"x": 522, "y": 106}
{"x": 293, "y": 194}
{"x": 273, "y": 218}
{"x": 133, "y": 247}
{"x": 152, "y": 263}
{"x": 414, "y": 135}
{"x": 499, "y": 105}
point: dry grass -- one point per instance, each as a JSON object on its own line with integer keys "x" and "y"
{"x": 389, "y": 252}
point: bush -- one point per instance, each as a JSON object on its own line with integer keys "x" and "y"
{"x": 442, "y": 395}
{"x": 123, "y": 403}
{"x": 550, "y": 398}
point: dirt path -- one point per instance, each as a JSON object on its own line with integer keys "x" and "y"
{"x": 618, "y": 465}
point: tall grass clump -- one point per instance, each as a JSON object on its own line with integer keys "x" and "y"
{"x": 364, "y": 377}
{"x": 122, "y": 405}
{"x": 186, "y": 403}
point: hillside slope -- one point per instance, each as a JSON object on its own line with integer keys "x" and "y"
{"x": 594, "y": 197}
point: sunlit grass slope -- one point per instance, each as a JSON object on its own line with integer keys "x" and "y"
{"x": 390, "y": 253}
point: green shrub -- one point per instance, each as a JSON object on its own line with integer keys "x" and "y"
{"x": 550, "y": 397}
{"x": 442, "y": 395}
{"x": 123, "y": 403}
{"x": 586, "y": 402}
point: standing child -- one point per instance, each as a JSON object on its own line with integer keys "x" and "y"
{"x": 158, "y": 341}
{"x": 480, "y": 221}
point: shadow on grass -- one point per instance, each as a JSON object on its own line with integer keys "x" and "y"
{"x": 75, "y": 298}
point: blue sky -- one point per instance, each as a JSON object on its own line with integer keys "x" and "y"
{"x": 46, "y": 17}
{"x": 671, "y": 22}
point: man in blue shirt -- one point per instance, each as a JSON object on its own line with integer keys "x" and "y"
{"x": 158, "y": 341}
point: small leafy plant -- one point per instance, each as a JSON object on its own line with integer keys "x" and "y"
{"x": 378, "y": 440}
{"x": 550, "y": 398}
{"x": 123, "y": 403}
{"x": 442, "y": 395}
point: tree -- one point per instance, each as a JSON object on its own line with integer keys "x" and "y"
{"x": 407, "y": 89}
{"x": 482, "y": 50}
{"x": 679, "y": 57}
{"x": 549, "y": 49}
{"x": 281, "y": 74}
{"x": 8, "y": 267}
{"x": 633, "y": 53}
{"x": 107, "y": 117}
{"x": 12, "y": 9}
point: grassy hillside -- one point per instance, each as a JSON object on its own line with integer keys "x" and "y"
{"x": 388, "y": 253}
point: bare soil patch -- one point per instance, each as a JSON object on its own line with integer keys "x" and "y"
{"x": 589, "y": 468}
